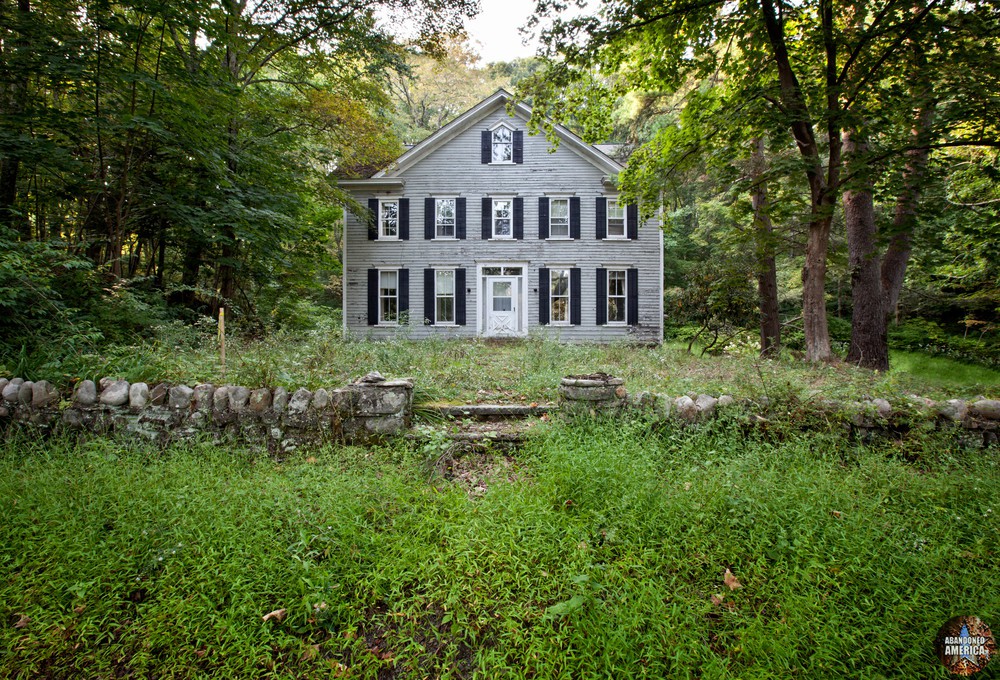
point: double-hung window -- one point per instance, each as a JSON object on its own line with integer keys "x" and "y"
{"x": 444, "y": 218}
{"x": 616, "y": 220}
{"x": 444, "y": 296}
{"x": 503, "y": 145}
{"x": 559, "y": 296}
{"x": 559, "y": 218}
{"x": 388, "y": 219}
{"x": 388, "y": 296}
{"x": 503, "y": 218}
{"x": 616, "y": 296}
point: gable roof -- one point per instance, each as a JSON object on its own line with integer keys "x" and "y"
{"x": 477, "y": 113}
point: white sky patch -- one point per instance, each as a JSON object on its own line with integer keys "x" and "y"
{"x": 494, "y": 32}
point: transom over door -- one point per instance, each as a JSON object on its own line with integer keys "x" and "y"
{"x": 502, "y": 306}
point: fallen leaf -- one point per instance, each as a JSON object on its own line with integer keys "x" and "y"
{"x": 569, "y": 502}
{"x": 311, "y": 459}
{"x": 687, "y": 486}
{"x": 200, "y": 653}
{"x": 731, "y": 581}
{"x": 278, "y": 615}
{"x": 717, "y": 599}
{"x": 533, "y": 404}
{"x": 23, "y": 621}
{"x": 79, "y": 608}
{"x": 836, "y": 513}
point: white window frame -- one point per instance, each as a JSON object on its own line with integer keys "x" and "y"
{"x": 454, "y": 224}
{"x": 382, "y": 236}
{"x": 453, "y": 296}
{"x": 493, "y": 218}
{"x": 607, "y": 220}
{"x": 493, "y": 143}
{"x": 568, "y": 295}
{"x": 623, "y": 297}
{"x": 381, "y": 320}
{"x": 569, "y": 232}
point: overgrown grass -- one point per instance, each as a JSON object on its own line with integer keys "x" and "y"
{"x": 467, "y": 370}
{"x": 598, "y": 558}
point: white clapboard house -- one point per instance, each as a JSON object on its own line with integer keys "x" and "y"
{"x": 481, "y": 230}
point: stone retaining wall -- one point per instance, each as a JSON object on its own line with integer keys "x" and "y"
{"x": 368, "y": 409}
{"x": 980, "y": 417}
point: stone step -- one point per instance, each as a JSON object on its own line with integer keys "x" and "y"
{"x": 491, "y": 411}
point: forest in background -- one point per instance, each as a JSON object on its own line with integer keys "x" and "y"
{"x": 827, "y": 174}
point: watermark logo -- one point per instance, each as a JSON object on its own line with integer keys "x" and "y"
{"x": 965, "y": 645}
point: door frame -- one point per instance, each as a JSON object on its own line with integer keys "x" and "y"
{"x": 482, "y": 296}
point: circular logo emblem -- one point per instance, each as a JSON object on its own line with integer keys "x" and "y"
{"x": 965, "y": 645}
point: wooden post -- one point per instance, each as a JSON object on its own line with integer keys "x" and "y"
{"x": 222, "y": 341}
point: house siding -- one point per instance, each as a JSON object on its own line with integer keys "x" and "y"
{"x": 454, "y": 169}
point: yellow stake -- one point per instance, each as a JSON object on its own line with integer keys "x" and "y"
{"x": 222, "y": 340}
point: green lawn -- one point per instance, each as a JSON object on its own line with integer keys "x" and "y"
{"x": 596, "y": 552}
{"x": 463, "y": 370}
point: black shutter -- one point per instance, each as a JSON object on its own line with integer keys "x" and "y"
{"x": 574, "y": 217}
{"x": 404, "y": 219}
{"x": 632, "y": 296}
{"x": 372, "y": 297}
{"x": 519, "y": 146}
{"x": 404, "y": 294}
{"x": 543, "y": 218}
{"x": 519, "y": 218}
{"x": 543, "y": 296}
{"x": 429, "y": 296}
{"x": 602, "y": 218}
{"x": 632, "y": 218}
{"x": 460, "y": 218}
{"x": 428, "y": 219}
{"x": 487, "y": 218}
{"x": 487, "y": 145}
{"x": 372, "y": 219}
{"x": 575, "y": 312}
{"x": 602, "y": 296}
{"x": 460, "y": 297}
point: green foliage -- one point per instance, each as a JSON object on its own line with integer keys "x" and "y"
{"x": 603, "y": 554}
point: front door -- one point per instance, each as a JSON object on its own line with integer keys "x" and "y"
{"x": 502, "y": 306}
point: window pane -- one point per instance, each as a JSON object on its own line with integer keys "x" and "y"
{"x": 387, "y": 282}
{"x": 616, "y": 219}
{"x": 511, "y": 271}
{"x": 502, "y": 218}
{"x": 445, "y": 282}
{"x": 491, "y": 271}
{"x": 390, "y": 217}
{"x": 445, "y": 217}
{"x": 616, "y": 309}
{"x": 503, "y": 147}
{"x": 388, "y": 309}
{"x": 446, "y": 310}
{"x": 560, "y": 309}
{"x": 560, "y": 281}
{"x": 559, "y": 207}
{"x": 616, "y": 283}
{"x": 501, "y": 289}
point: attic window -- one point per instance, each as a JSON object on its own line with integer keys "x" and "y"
{"x": 503, "y": 145}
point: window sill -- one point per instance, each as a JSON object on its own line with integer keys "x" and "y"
{"x": 445, "y": 325}
{"x": 559, "y": 324}
{"x": 501, "y": 163}
{"x": 560, "y": 238}
{"x": 616, "y": 238}
{"x": 502, "y": 238}
{"x": 617, "y": 324}
{"x": 388, "y": 238}
{"x": 445, "y": 238}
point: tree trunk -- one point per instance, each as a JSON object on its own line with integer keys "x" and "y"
{"x": 869, "y": 339}
{"x": 905, "y": 218}
{"x": 767, "y": 275}
{"x": 13, "y": 104}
